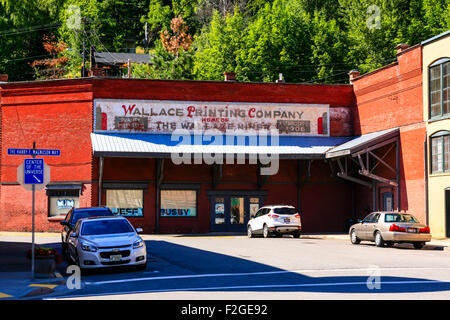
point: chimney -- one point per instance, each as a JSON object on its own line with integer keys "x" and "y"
{"x": 280, "y": 78}
{"x": 3, "y": 78}
{"x": 401, "y": 47}
{"x": 230, "y": 76}
{"x": 353, "y": 74}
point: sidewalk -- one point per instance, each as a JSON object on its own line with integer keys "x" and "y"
{"x": 15, "y": 269}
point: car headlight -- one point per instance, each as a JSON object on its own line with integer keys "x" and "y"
{"x": 88, "y": 247}
{"x": 137, "y": 244}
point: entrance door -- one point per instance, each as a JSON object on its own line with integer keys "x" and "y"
{"x": 447, "y": 213}
{"x": 231, "y": 212}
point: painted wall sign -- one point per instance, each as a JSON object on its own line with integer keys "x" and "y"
{"x": 65, "y": 203}
{"x": 166, "y": 116}
{"x": 128, "y": 212}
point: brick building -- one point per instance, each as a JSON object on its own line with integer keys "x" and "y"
{"x": 343, "y": 150}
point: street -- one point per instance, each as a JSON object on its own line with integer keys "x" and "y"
{"x": 236, "y": 267}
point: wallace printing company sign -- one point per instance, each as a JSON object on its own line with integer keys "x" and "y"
{"x": 166, "y": 116}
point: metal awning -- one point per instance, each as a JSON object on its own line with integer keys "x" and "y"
{"x": 366, "y": 141}
{"x": 161, "y": 146}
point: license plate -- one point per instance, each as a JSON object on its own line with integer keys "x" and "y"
{"x": 116, "y": 257}
{"x": 287, "y": 220}
{"x": 411, "y": 230}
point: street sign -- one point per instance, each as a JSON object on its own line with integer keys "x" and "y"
{"x": 33, "y": 171}
{"x": 21, "y": 177}
{"x": 34, "y": 152}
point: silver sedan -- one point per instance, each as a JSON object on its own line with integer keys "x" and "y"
{"x": 105, "y": 242}
{"x": 389, "y": 228}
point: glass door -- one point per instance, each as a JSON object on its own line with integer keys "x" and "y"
{"x": 231, "y": 212}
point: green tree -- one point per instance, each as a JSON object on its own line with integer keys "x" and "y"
{"x": 219, "y": 45}
{"x": 23, "y": 25}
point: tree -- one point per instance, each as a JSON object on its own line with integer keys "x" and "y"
{"x": 172, "y": 57}
{"x": 53, "y": 68}
{"x": 23, "y": 25}
{"x": 218, "y": 46}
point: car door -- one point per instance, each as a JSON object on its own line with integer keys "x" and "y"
{"x": 72, "y": 242}
{"x": 372, "y": 226}
{"x": 66, "y": 229}
{"x": 363, "y": 230}
{"x": 259, "y": 220}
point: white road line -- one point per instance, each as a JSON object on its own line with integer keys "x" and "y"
{"x": 206, "y": 275}
{"x": 299, "y": 285}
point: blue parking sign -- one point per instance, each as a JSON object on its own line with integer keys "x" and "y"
{"x": 33, "y": 171}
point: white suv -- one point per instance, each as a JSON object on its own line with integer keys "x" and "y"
{"x": 277, "y": 220}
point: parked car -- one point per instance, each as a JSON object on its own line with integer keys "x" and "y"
{"x": 389, "y": 228}
{"x": 76, "y": 214}
{"x": 275, "y": 220}
{"x": 105, "y": 242}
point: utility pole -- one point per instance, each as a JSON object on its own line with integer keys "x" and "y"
{"x": 83, "y": 69}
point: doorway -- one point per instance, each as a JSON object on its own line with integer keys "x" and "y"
{"x": 230, "y": 211}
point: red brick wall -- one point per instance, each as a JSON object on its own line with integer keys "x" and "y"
{"x": 57, "y": 115}
{"x": 387, "y": 98}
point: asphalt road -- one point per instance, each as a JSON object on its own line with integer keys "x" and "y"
{"x": 235, "y": 268}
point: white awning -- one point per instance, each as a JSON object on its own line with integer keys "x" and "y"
{"x": 135, "y": 145}
{"x": 362, "y": 142}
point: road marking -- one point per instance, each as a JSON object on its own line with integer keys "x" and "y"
{"x": 298, "y": 285}
{"x": 4, "y": 295}
{"x": 206, "y": 275}
{"x": 43, "y": 285}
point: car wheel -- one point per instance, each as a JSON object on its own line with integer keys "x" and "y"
{"x": 249, "y": 232}
{"x": 379, "y": 242}
{"x": 296, "y": 234}
{"x": 353, "y": 238}
{"x": 266, "y": 232}
{"x": 418, "y": 245}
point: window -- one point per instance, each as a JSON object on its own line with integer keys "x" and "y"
{"x": 126, "y": 202}
{"x": 440, "y": 152}
{"x": 439, "y": 74}
{"x": 61, "y": 201}
{"x": 178, "y": 203}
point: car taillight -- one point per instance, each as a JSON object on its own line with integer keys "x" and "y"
{"x": 396, "y": 228}
{"x": 273, "y": 216}
{"x": 297, "y": 216}
{"x": 424, "y": 230}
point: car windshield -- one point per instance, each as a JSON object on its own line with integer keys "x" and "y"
{"x": 105, "y": 227}
{"x": 400, "y": 217}
{"x": 285, "y": 210}
{"x": 77, "y": 215}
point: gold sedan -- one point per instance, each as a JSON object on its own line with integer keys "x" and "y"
{"x": 389, "y": 228}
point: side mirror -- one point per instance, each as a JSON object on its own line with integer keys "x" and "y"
{"x": 73, "y": 235}
{"x": 139, "y": 230}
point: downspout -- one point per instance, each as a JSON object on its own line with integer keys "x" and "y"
{"x": 100, "y": 181}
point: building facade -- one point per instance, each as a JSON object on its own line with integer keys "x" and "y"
{"x": 194, "y": 156}
{"x": 436, "y": 110}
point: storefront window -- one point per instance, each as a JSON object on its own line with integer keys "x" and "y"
{"x": 61, "y": 201}
{"x": 128, "y": 203}
{"x": 178, "y": 203}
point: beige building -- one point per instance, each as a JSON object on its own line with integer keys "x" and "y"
{"x": 436, "y": 103}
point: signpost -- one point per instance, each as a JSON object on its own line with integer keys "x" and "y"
{"x": 33, "y": 174}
